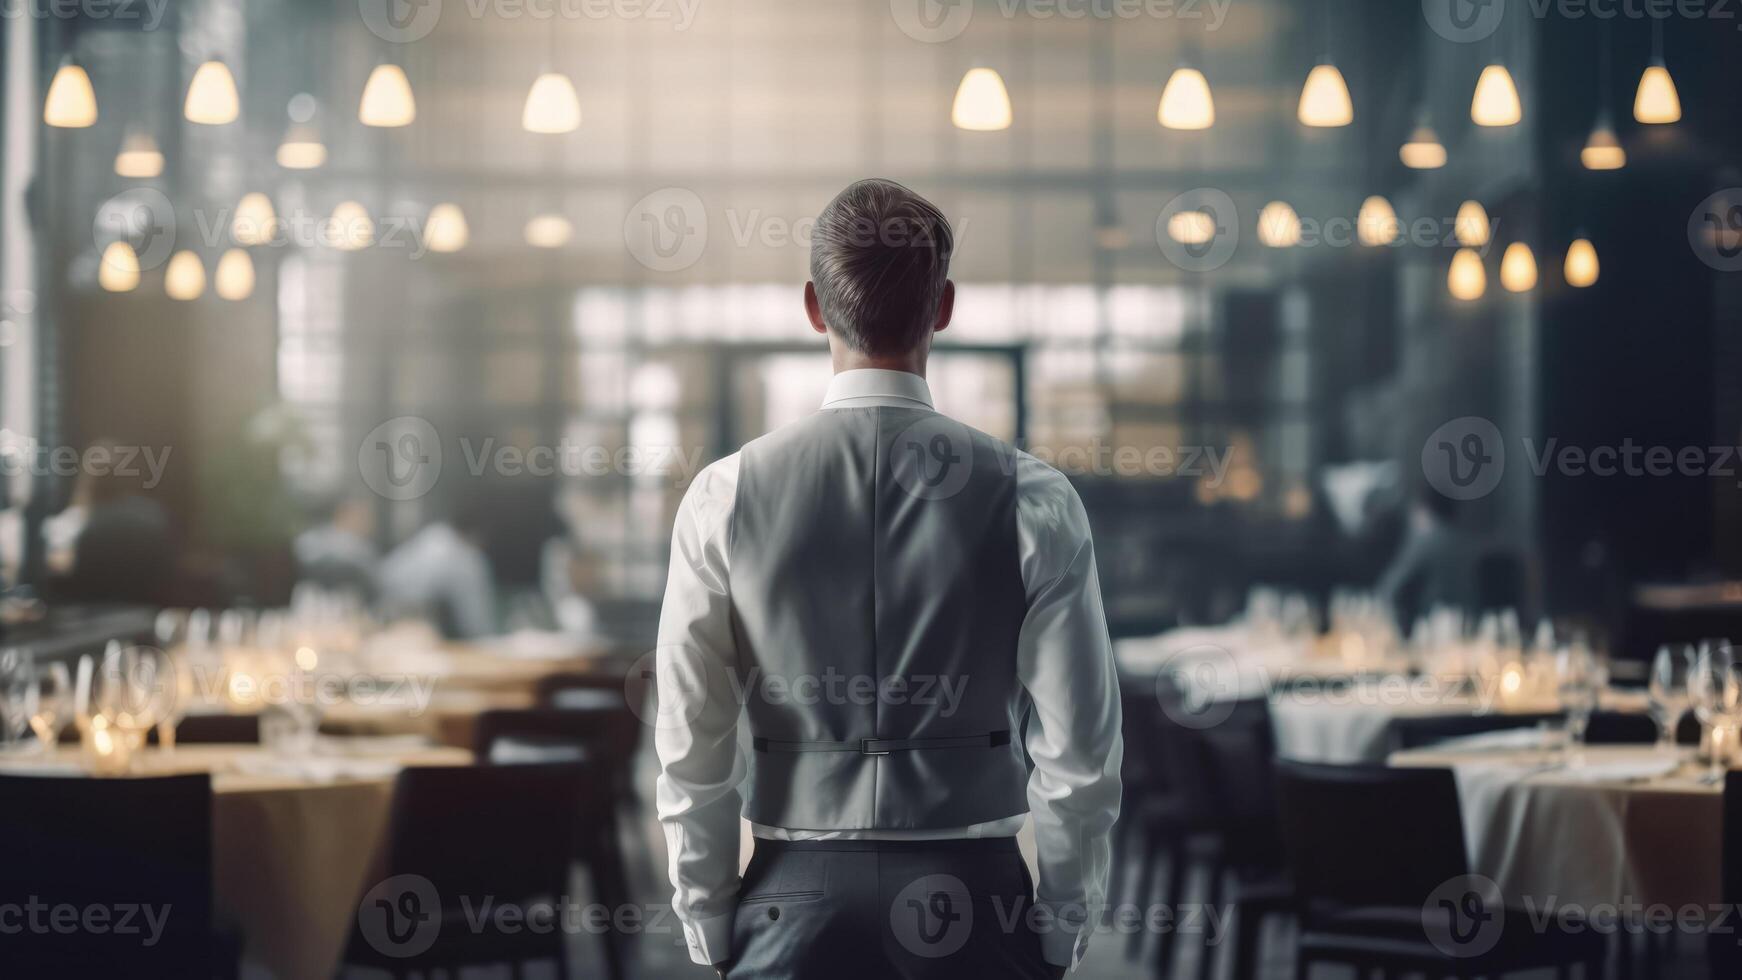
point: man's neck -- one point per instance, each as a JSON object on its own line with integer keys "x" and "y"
{"x": 912, "y": 362}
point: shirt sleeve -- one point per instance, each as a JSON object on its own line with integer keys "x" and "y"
{"x": 696, "y": 722}
{"x": 1065, "y": 661}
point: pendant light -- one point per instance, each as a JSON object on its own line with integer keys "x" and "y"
{"x": 1582, "y": 267}
{"x": 1324, "y": 100}
{"x": 71, "y": 103}
{"x": 1518, "y": 268}
{"x": 118, "y": 270}
{"x": 551, "y": 105}
{"x": 1466, "y": 279}
{"x": 1656, "y": 103}
{"x": 211, "y": 98}
{"x": 1603, "y": 149}
{"x": 982, "y": 103}
{"x": 235, "y": 277}
{"x": 1423, "y": 150}
{"x": 255, "y": 222}
{"x": 1186, "y": 102}
{"x": 185, "y": 277}
{"x": 1471, "y": 225}
{"x": 139, "y": 158}
{"x": 387, "y": 100}
{"x": 1191, "y": 227}
{"x": 1377, "y": 222}
{"x": 1278, "y": 225}
{"x": 1496, "y": 100}
{"x": 302, "y": 148}
{"x": 445, "y": 230}
{"x": 350, "y": 227}
{"x": 548, "y": 231}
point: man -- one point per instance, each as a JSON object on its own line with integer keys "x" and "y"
{"x": 907, "y": 613}
{"x": 442, "y": 571}
{"x": 338, "y": 553}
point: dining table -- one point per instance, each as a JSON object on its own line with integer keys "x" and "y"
{"x": 1620, "y": 826}
{"x": 297, "y": 840}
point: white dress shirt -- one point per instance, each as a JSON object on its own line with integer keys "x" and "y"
{"x": 438, "y": 567}
{"x": 1064, "y": 661}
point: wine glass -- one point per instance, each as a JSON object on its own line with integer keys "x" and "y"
{"x": 1716, "y": 691}
{"x": 17, "y": 684}
{"x": 52, "y": 699}
{"x": 1578, "y": 683}
{"x": 130, "y": 693}
{"x": 1668, "y": 690}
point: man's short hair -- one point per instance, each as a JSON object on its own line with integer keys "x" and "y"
{"x": 880, "y": 255}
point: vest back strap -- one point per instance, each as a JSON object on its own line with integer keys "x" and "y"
{"x": 884, "y": 746}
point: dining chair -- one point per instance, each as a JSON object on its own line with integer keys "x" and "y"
{"x": 1153, "y": 817}
{"x": 599, "y": 741}
{"x": 1377, "y": 854}
{"x": 474, "y": 841}
{"x": 608, "y": 694}
{"x": 1249, "y": 873}
{"x": 1420, "y": 732}
{"x": 221, "y": 728}
{"x": 1724, "y": 948}
{"x": 131, "y": 857}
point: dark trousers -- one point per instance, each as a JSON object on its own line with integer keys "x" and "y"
{"x": 839, "y": 910}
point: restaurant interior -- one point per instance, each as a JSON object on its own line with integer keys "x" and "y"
{"x": 355, "y": 358}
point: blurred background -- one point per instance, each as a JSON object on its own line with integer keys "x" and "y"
{"x": 441, "y": 305}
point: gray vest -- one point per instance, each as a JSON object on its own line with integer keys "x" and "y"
{"x": 877, "y": 597}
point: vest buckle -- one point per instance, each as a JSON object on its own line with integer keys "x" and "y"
{"x": 866, "y": 746}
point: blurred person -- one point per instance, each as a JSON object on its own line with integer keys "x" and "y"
{"x": 339, "y": 553}
{"x": 113, "y": 542}
{"x": 443, "y": 570}
{"x": 878, "y": 546}
{"x": 1434, "y": 563}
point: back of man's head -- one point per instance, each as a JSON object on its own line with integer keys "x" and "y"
{"x": 880, "y": 256}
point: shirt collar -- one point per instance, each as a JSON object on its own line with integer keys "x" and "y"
{"x": 864, "y": 387}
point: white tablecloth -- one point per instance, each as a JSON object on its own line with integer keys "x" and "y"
{"x": 1609, "y": 831}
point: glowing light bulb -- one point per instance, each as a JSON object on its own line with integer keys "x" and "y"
{"x": 212, "y": 99}
{"x": 185, "y": 278}
{"x": 350, "y": 227}
{"x": 1603, "y": 151}
{"x": 302, "y": 148}
{"x": 1496, "y": 100}
{"x": 445, "y": 230}
{"x": 387, "y": 99}
{"x": 139, "y": 157}
{"x": 549, "y": 231}
{"x": 1191, "y": 227}
{"x": 982, "y": 103}
{"x": 235, "y": 276}
{"x": 1470, "y": 227}
{"x": 1324, "y": 100}
{"x": 1186, "y": 102}
{"x": 1582, "y": 267}
{"x": 255, "y": 222}
{"x": 1423, "y": 151}
{"x": 1467, "y": 279}
{"x": 551, "y": 105}
{"x": 1518, "y": 268}
{"x": 1657, "y": 103}
{"x": 1377, "y": 222}
{"x": 71, "y": 102}
{"x": 118, "y": 270}
{"x": 1278, "y": 225}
